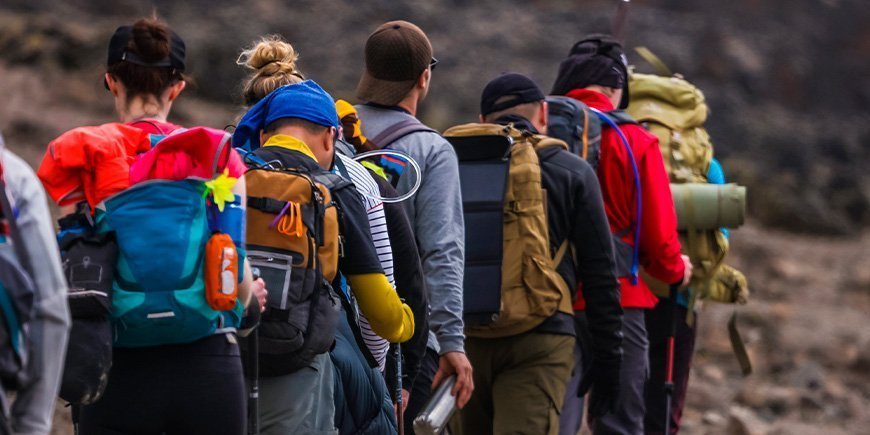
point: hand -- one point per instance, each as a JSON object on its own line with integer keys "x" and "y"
{"x": 456, "y": 363}
{"x": 605, "y": 389}
{"x": 687, "y": 275}
{"x": 405, "y": 396}
{"x": 259, "y": 291}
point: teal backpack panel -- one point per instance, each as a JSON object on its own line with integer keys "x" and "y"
{"x": 159, "y": 289}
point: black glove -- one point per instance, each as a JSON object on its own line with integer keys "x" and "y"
{"x": 604, "y": 381}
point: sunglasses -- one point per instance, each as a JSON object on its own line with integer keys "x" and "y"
{"x": 433, "y": 63}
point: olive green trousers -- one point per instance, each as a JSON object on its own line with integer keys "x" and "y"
{"x": 519, "y": 384}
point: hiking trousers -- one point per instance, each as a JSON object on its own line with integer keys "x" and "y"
{"x": 300, "y": 403}
{"x": 631, "y": 406}
{"x": 181, "y": 389}
{"x": 519, "y": 384}
{"x": 658, "y": 322}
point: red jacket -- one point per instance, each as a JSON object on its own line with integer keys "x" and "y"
{"x": 659, "y": 244}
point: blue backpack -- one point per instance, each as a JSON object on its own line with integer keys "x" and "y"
{"x": 158, "y": 294}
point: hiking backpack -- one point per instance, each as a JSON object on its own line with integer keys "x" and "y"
{"x": 572, "y": 122}
{"x": 17, "y": 297}
{"x": 674, "y": 111}
{"x": 162, "y": 227}
{"x": 510, "y": 284}
{"x": 293, "y": 239}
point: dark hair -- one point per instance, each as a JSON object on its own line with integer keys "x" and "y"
{"x": 150, "y": 41}
{"x": 295, "y": 122}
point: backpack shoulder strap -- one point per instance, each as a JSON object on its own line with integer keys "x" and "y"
{"x": 399, "y": 130}
{"x": 621, "y": 117}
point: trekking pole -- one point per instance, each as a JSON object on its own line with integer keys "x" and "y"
{"x": 400, "y": 413}
{"x": 619, "y": 21}
{"x": 669, "y": 362}
{"x": 253, "y": 364}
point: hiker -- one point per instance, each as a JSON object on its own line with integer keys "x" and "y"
{"x": 32, "y": 410}
{"x": 409, "y": 269}
{"x": 295, "y": 127}
{"x": 193, "y": 383}
{"x": 595, "y": 73}
{"x": 523, "y": 364}
{"x": 395, "y": 80}
{"x": 658, "y": 323}
{"x": 273, "y": 62}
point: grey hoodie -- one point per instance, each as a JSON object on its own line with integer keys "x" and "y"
{"x": 33, "y": 408}
{"x": 436, "y": 214}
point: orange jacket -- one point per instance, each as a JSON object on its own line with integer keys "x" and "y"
{"x": 91, "y": 163}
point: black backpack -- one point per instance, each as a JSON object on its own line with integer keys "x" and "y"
{"x": 573, "y": 122}
{"x": 88, "y": 260}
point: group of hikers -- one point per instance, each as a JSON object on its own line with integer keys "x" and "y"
{"x": 324, "y": 267}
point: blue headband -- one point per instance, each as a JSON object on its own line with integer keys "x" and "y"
{"x": 306, "y": 100}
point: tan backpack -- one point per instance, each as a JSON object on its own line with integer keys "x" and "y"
{"x": 293, "y": 239}
{"x": 531, "y": 289}
{"x": 674, "y": 111}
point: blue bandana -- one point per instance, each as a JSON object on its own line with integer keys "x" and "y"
{"x": 306, "y": 100}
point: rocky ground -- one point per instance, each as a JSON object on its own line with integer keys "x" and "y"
{"x": 806, "y": 331}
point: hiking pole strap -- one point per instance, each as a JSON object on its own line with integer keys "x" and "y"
{"x": 738, "y": 346}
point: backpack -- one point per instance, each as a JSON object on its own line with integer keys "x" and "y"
{"x": 572, "y": 122}
{"x": 674, "y": 111}
{"x": 88, "y": 260}
{"x": 162, "y": 227}
{"x": 17, "y": 298}
{"x": 510, "y": 283}
{"x": 293, "y": 239}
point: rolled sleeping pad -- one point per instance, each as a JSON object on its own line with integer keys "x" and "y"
{"x": 702, "y": 206}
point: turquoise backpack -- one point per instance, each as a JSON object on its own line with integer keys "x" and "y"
{"x": 158, "y": 294}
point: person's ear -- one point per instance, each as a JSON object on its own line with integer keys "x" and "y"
{"x": 542, "y": 117}
{"x": 423, "y": 80}
{"x": 175, "y": 89}
{"x": 111, "y": 84}
{"x": 263, "y": 137}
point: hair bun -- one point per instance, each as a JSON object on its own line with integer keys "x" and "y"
{"x": 150, "y": 39}
{"x": 270, "y": 56}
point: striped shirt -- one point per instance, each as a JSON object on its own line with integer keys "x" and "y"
{"x": 370, "y": 193}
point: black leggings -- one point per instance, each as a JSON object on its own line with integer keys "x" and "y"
{"x": 195, "y": 388}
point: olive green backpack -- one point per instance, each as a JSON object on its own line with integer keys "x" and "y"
{"x": 675, "y": 111}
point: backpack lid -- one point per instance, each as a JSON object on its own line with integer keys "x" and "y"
{"x": 671, "y": 101}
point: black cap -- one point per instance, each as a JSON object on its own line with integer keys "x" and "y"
{"x": 118, "y": 51}
{"x": 594, "y": 60}
{"x": 508, "y": 90}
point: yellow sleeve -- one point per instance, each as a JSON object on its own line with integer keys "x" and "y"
{"x": 389, "y": 317}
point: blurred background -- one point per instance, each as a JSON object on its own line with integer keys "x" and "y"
{"x": 788, "y": 83}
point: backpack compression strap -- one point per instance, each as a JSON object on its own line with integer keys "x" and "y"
{"x": 399, "y": 130}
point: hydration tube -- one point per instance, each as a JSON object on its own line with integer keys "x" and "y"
{"x": 402, "y": 156}
{"x": 635, "y": 258}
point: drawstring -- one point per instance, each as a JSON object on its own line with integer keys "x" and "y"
{"x": 289, "y": 224}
